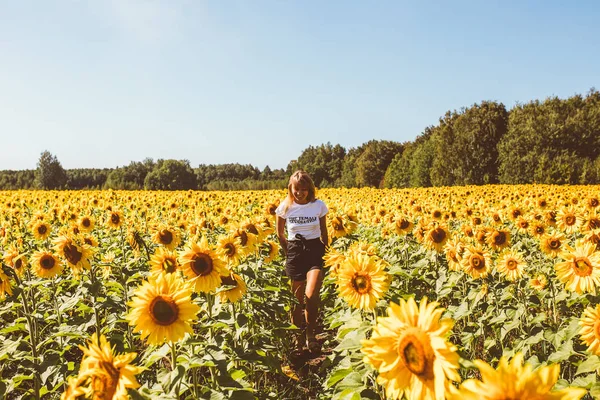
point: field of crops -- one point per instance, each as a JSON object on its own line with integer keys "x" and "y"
{"x": 449, "y": 293}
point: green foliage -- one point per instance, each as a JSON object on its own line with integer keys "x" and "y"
{"x": 206, "y": 174}
{"x": 171, "y": 175}
{"x": 131, "y": 177}
{"x": 348, "y": 176}
{"x": 87, "y": 178}
{"x": 14, "y": 180}
{"x": 323, "y": 163}
{"x": 421, "y": 161}
{"x": 49, "y": 173}
{"x": 465, "y": 152}
{"x": 539, "y": 133}
{"x": 374, "y": 161}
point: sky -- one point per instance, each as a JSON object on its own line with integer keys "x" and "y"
{"x": 101, "y": 83}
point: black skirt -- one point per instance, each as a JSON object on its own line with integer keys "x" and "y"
{"x": 302, "y": 256}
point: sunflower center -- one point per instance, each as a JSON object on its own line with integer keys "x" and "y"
{"x": 554, "y": 244}
{"x": 115, "y": 219}
{"x": 594, "y": 202}
{"x": 243, "y": 238}
{"x": 594, "y": 223}
{"x": 511, "y": 264}
{"x": 229, "y": 249}
{"x": 18, "y": 264}
{"x": 202, "y": 264}
{"x": 499, "y": 238}
{"x": 169, "y": 265}
{"x": 438, "y": 235}
{"x": 524, "y": 224}
{"x": 105, "y": 384}
{"x": 47, "y": 262}
{"x": 86, "y": 222}
{"x": 42, "y": 229}
{"x": 361, "y": 283}
{"x": 539, "y": 230}
{"x": 477, "y": 261}
{"x": 165, "y": 236}
{"x": 88, "y": 241}
{"x": 72, "y": 254}
{"x": 228, "y": 281}
{"x": 582, "y": 266}
{"x": 252, "y": 229}
{"x": 416, "y": 355}
{"x": 337, "y": 224}
{"x": 570, "y": 220}
{"x": 163, "y": 311}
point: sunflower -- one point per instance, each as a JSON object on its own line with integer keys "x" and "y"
{"x": 498, "y": 239}
{"x": 46, "y": 264}
{"x": 511, "y": 265}
{"x": 74, "y": 389}
{"x": 163, "y": 261}
{"x": 513, "y": 380}
{"x": 86, "y": 223}
{"x": 77, "y": 255}
{"x": 551, "y": 244}
{"x": 362, "y": 281}
{"x": 90, "y": 240}
{"x": 436, "y": 237}
{"x": 568, "y": 220}
{"x": 410, "y": 350}
{"x": 272, "y": 251}
{"x": 522, "y": 225}
{"x": 166, "y": 236}
{"x": 538, "y": 282}
{"x": 247, "y": 241}
{"x": 590, "y": 329}
{"x": 476, "y": 262}
{"x": 593, "y": 237}
{"x": 229, "y": 249}
{"x": 453, "y": 251}
{"x": 4, "y": 286}
{"x": 109, "y": 374}
{"x": 15, "y": 259}
{"x": 115, "y": 219}
{"x": 537, "y": 229}
{"x": 161, "y": 309}
{"x": 591, "y": 222}
{"x": 402, "y": 225}
{"x": 340, "y": 226}
{"x": 234, "y": 288}
{"x": 41, "y": 230}
{"x": 580, "y": 272}
{"x": 202, "y": 266}
{"x": 333, "y": 259}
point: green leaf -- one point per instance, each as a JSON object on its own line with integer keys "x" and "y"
{"x": 589, "y": 365}
{"x": 338, "y": 376}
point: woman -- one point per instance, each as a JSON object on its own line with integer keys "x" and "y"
{"x": 304, "y": 247}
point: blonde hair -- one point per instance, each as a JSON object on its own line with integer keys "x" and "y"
{"x": 302, "y": 178}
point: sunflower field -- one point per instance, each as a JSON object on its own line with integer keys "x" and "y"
{"x": 478, "y": 292}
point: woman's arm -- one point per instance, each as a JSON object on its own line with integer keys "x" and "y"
{"x": 281, "y": 233}
{"x": 324, "y": 233}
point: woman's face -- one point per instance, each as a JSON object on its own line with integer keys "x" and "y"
{"x": 300, "y": 193}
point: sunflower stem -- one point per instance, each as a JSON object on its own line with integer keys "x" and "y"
{"x": 59, "y": 318}
{"x": 93, "y": 281}
{"x": 33, "y": 343}
{"x": 126, "y": 289}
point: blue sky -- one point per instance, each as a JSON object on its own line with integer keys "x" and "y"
{"x": 101, "y": 83}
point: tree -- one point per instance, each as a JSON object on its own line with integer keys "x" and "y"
{"x": 323, "y": 163}
{"x": 49, "y": 173}
{"x": 171, "y": 175}
{"x": 374, "y": 160}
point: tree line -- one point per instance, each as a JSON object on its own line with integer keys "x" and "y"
{"x": 555, "y": 141}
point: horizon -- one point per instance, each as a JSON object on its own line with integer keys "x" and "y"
{"x": 134, "y": 79}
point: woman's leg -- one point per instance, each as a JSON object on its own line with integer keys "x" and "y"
{"x": 314, "y": 279}
{"x": 298, "y": 317}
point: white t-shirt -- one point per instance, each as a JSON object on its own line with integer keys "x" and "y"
{"x": 303, "y": 218}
